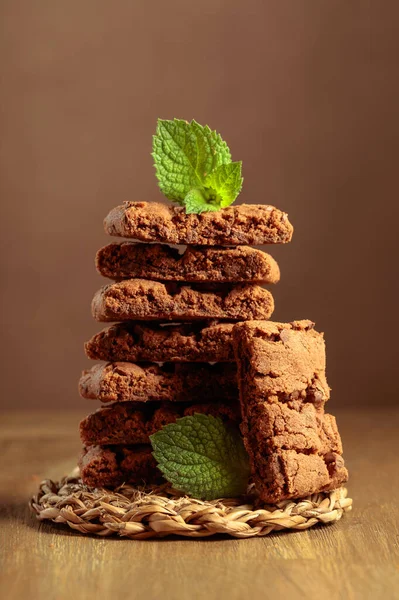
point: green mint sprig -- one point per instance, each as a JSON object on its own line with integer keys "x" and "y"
{"x": 202, "y": 457}
{"x": 194, "y": 167}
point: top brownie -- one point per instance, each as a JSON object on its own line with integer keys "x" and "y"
{"x": 255, "y": 224}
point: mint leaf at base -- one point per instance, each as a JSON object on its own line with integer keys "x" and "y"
{"x": 191, "y": 159}
{"x": 195, "y": 203}
{"x": 202, "y": 456}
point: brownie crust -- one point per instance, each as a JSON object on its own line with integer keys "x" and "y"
{"x": 151, "y": 342}
{"x": 140, "y": 299}
{"x": 294, "y": 447}
{"x": 244, "y": 224}
{"x": 127, "y": 260}
{"x": 127, "y": 423}
{"x": 175, "y": 382}
{"x": 111, "y": 466}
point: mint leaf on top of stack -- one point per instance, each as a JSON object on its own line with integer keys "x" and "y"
{"x": 194, "y": 167}
{"x": 202, "y": 456}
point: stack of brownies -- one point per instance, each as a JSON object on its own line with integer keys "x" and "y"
{"x": 178, "y": 313}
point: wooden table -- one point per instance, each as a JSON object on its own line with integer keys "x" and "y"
{"x": 358, "y": 557}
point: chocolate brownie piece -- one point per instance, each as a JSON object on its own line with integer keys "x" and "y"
{"x": 127, "y": 423}
{"x": 196, "y": 382}
{"x": 293, "y": 452}
{"x": 248, "y": 224}
{"x": 127, "y": 260}
{"x": 110, "y": 466}
{"x": 294, "y": 447}
{"x": 140, "y": 299}
{"x": 140, "y": 341}
{"x": 283, "y": 361}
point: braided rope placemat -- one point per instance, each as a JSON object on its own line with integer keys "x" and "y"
{"x": 140, "y": 514}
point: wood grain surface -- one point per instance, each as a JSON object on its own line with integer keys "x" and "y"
{"x": 356, "y": 558}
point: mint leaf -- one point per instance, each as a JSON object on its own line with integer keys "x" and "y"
{"x": 190, "y": 160}
{"x": 196, "y": 203}
{"x": 212, "y": 150}
{"x": 203, "y": 457}
{"x": 226, "y": 181}
{"x": 176, "y": 155}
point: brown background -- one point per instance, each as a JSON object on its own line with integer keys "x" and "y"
{"x": 306, "y": 94}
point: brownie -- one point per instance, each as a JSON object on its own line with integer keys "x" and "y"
{"x": 293, "y": 446}
{"x": 185, "y": 382}
{"x": 185, "y": 342}
{"x": 127, "y": 423}
{"x": 140, "y": 299}
{"x": 110, "y": 466}
{"x": 252, "y": 224}
{"x": 283, "y": 361}
{"x": 127, "y": 260}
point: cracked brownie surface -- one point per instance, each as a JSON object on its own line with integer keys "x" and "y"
{"x": 140, "y": 299}
{"x": 128, "y": 260}
{"x": 110, "y": 466}
{"x": 124, "y": 381}
{"x": 247, "y": 224}
{"x": 294, "y": 447}
{"x": 184, "y": 342}
{"x": 127, "y": 423}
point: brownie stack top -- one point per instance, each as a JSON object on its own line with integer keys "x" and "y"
{"x": 217, "y": 276}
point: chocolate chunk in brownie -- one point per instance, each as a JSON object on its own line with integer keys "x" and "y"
{"x": 185, "y": 342}
{"x": 176, "y": 382}
{"x": 140, "y": 299}
{"x": 127, "y": 260}
{"x": 126, "y": 423}
{"x": 294, "y": 447}
{"x": 110, "y": 466}
{"x": 252, "y": 224}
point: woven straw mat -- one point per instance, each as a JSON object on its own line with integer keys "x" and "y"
{"x": 156, "y": 512}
